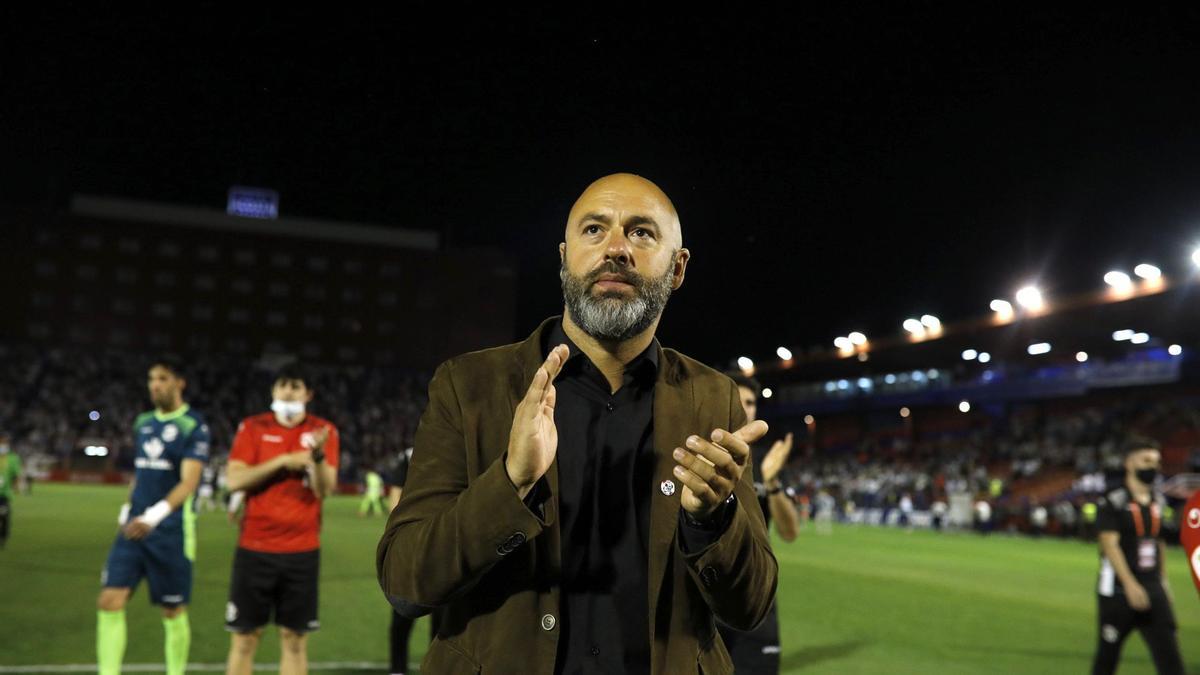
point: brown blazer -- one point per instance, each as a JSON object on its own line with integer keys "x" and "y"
{"x": 461, "y": 541}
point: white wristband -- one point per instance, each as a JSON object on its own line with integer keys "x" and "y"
{"x": 124, "y": 515}
{"x": 155, "y": 514}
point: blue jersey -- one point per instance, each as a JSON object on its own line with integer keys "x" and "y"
{"x": 162, "y": 443}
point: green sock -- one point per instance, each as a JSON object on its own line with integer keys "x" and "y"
{"x": 110, "y": 641}
{"x": 179, "y": 640}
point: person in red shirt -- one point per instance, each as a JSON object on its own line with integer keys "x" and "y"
{"x": 286, "y": 461}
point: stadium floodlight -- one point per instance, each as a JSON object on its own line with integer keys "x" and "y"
{"x": 830, "y": 387}
{"x": 1002, "y": 308}
{"x": 905, "y": 412}
{"x": 809, "y": 419}
{"x": 784, "y": 353}
{"x": 984, "y": 357}
{"x": 965, "y": 407}
{"x": 1031, "y": 299}
{"x": 931, "y": 322}
{"x": 933, "y": 373}
{"x": 1147, "y": 271}
{"x": 1196, "y": 257}
{"x": 1120, "y": 281}
{"x": 970, "y": 355}
{"x": 1081, "y": 357}
{"x": 745, "y": 363}
{"x": 1123, "y": 335}
{"x": 918, "y": 376}
{"x": 857, "y": 339}
{"x": 865, "y": 383}
{"x": 843, "y": 385}
{"x": 1174, "y": 350}
{"x": 844, "y": 344}
{"x": 96, "y": 451}
{"x": 1140, "y": 338}
{"x": 767, "y": 393}
{"x": 94, "y": 416}
{"x": 914, "y": 326}
{"x": 890, "y": 378}
{"x": 1039, "y": 348}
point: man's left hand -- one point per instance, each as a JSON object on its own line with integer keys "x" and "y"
{"x": 137, "y": 529}
{"x": 710, "y": 468}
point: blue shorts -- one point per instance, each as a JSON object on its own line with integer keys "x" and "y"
{"x": 161, "y": 558}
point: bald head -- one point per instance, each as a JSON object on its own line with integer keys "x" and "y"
{"x": 623, "y": 198}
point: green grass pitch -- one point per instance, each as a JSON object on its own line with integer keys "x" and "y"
{"x": 863, "y": 600}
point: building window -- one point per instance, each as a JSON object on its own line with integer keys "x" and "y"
{"x": 127, "y": 275}
{"x": 239, "y": 315}
{"x": 203, "y": 282}
{"x": 244, "y": 256}
{"x": 123, "y": 306}
{"x": 276, "y": 319}
{"x": 169, "y": 249}
{"x": 279, "y": 289}
{"x": 164, "y": 279}
{"x": 314, "y": 321}
{"x": 90, "y": 242}
{"x": 87, "y": 272}
{"x": 202, "y": 313}
{"x": 42, "y": 300}
{"x": 243, "y": 286}
{"x": 310, "y": 351}
{"x": 352, "y": 267}
{"x": 209, "y": 254}
{"x": 389, "y": 271}
{"x": 318, "y": 264}
{"x": 314, "y": 293}
{"x": 388, "y": 298}
{"x": 351, "y": 295}
{"x": 281, "y": 260}
{"x": 45, "y": 268}
{"x": 129, "y": 246}
{"x": 162, "y": 310}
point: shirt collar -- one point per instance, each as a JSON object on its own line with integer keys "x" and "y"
{"x": 642, "y": 365}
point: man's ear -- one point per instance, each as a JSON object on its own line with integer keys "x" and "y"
{"x": 679, "y": 267}
{"x": 562, "y": 252}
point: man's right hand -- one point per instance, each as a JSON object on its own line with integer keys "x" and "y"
{"x": 533, "y": 440}
{"x": 1139, "y": 600}
{"x": 296, "y": 461}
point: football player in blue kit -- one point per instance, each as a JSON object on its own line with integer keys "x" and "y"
{"x": 157, "y": 536}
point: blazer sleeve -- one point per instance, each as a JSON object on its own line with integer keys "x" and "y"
{"x": 737, "y": 573}
{"x": 450, "y": 527}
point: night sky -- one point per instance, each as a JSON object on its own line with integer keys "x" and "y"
{"x": 835, "y": 171}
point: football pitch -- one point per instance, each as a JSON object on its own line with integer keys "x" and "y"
{"x": 862, "y": 600}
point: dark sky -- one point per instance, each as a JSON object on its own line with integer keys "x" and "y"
{"x": 835, "y": 170}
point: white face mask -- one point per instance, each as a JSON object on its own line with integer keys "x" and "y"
{"x": 287, "y": 409}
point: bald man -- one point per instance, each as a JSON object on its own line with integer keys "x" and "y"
{"x": 582, "y": 501}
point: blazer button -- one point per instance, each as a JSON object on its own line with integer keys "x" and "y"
{"x": 516, "y": 540}
{"x": 548, "y": 622}
{"x": 708, "y": 575}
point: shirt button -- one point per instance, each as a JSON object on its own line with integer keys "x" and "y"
{"x": 608, "y": 407}
{"x": 595, "y": 651}
{"x": 548, "y": 622}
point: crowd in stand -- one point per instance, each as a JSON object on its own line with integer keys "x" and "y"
{"x": 55, "y": 402}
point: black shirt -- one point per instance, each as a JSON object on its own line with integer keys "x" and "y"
{"x": 1139, "y": 527}
{"x": 605, "y": 467}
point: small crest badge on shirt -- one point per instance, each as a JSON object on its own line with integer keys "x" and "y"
{"x": 307, "y": 440}
{"x": 153, "y": 448}
{"x": 170, "y": 432}
{"x": 667, "y": 487}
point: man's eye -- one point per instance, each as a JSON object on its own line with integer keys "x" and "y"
{"x": 591, "y": 229}
{"x": 643, "y": 232}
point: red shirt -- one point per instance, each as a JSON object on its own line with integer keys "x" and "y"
{"x": 282, "y": 515}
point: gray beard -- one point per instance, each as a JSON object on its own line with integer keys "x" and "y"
{"x": 612, "y": 317}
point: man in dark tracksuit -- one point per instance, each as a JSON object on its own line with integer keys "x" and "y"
{"x": 757, "y": 652}
{"x": 1133, "y": 590}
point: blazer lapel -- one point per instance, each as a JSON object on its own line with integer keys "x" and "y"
{"x": 673, "y": 421}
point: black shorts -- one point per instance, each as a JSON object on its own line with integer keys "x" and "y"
{"x": 278, "y": 586}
